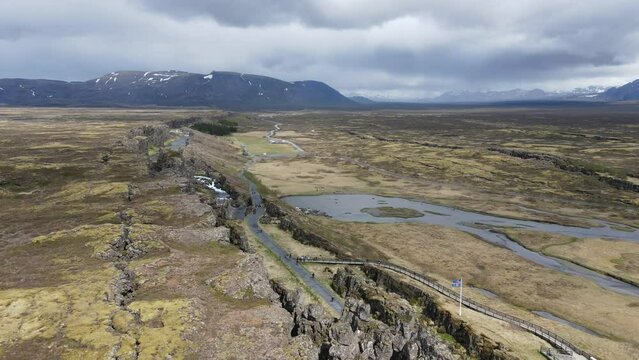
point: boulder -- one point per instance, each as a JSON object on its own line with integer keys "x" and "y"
{"x": 247, "y": 279}
{"x": 221, "y": 234}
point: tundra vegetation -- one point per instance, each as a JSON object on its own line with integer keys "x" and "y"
{"x": 572, "y": 166}
{"x": 110, "y": 251}
{"x": 389, "y": 211}
{"x": 107, "y": 254}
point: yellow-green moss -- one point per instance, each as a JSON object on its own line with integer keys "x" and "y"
{"x": 94, "y": 233}
{"x": 154, "y": 211}
{"x": 157, "y": 342}
{"x": 76, "y": 310}
{"x": 81, "y": 190}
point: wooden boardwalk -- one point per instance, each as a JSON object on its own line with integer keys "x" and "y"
{"x": 539, "y": 331}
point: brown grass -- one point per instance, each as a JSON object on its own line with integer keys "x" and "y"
{"x": 446, "y": 254}
{"x": 616, "y": 257}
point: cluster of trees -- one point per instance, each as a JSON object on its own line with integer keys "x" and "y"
{"x": 178, "y": 123}
{"x": 221, "y": 128}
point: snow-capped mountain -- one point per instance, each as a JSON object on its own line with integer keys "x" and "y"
{"x": 629, "y": 91}
{"x": 174, "y": 88}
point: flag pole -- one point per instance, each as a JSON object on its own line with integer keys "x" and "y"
{"x": 461, "y": 289}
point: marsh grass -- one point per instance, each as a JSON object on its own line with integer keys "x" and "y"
{"x": 388, "y": 211}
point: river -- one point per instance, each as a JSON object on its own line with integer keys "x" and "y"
{"x": 347, "y": 207}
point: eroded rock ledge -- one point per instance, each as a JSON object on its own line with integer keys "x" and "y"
{"x": 348, "y": 284}
{"x": 477, "y": 345}
{"x": 379, "y": 325}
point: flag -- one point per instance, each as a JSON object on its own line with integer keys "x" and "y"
{"x": 457, "y": 283}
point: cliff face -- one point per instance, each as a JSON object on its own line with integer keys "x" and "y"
{"x": 476, "y": 345}
{"x": 349, "y": 285}
{"x": 379, "y": 326}
{"x": 276, "y": 215}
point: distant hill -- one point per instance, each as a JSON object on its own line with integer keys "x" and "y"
{"x": 227, "y": 90}
{"x": 589, "y": 93}
{"x": 490, "y": 96}
{"x": 630, "y": 91}
{"x": 362, "y": 100}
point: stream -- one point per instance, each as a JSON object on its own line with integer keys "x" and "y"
{"x": 347, "y": 207}
{"x": 210, "y": 183}
{"x": 273, "y": 140}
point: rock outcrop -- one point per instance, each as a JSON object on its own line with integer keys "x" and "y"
{"x": 381, "y": 327}
{"x": 286, "y": 223}
{"x": 308, "y": 319}
{"x": 476, "y": 345}
{"x": 387, "y": 326}
{"x": 247, "y": 279}
{"x": 221, "y": 234}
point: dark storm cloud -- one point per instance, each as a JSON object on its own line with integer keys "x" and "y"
{"x": 494, "y": 66}
{"x": 410, "y": 48}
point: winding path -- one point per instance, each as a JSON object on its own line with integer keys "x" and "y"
{"x": 292, "y": 263}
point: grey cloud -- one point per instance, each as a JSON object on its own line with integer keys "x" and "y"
{"x": 386, "y": 46}
{"x": 452, "y": 62}
{"x": 236, "y": 13}
{"x": 314, "y": 13}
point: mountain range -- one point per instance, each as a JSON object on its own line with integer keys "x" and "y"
{"x": 236, "y": 91}
{"x": 589, "y": 93}
{"x": 228, "y": 90}
{"x": 630, "y": 91}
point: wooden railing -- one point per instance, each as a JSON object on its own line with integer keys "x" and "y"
{"x": 543, "y": 333}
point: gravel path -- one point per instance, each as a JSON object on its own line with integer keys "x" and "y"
{"x": 301, "y": 272}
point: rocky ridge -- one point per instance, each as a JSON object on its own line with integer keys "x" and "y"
{"x": 383, "y": 326}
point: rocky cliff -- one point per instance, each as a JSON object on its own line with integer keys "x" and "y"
{"x": 380, "y": 326}
{"x": 477, "y": 345}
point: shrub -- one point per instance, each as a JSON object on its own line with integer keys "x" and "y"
{"x": 214, "y": 129}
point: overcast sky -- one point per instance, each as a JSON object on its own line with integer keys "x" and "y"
{"x": 394, "y": 48}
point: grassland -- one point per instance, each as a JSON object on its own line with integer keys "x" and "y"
{"x": 389, "y": 211}
{"x": 445, "y": 156}
{"x": 617, "y": 258}
{"x": 59, "y": 205}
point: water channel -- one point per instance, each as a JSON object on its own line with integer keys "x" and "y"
{"x": 347, "y": 207}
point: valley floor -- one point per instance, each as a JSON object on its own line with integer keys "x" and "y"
{"x": 111, "y": 250}
{"x": 104, "y": 257}
{"x": 449, "y": 157}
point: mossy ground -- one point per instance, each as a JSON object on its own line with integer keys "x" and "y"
{"x": 59, "y": 209}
